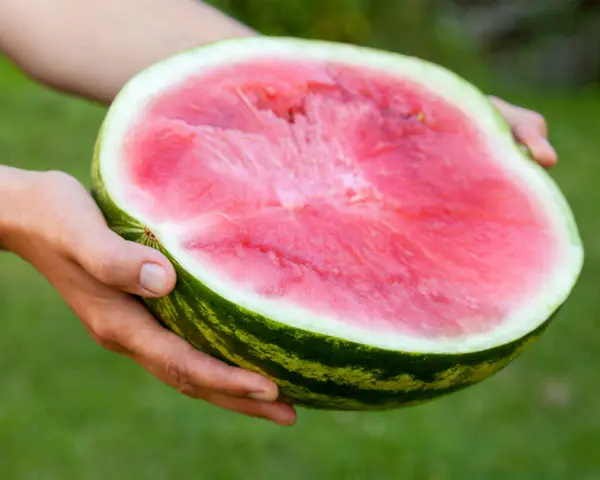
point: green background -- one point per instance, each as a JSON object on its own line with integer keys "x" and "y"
{"x": 69, "y": 410}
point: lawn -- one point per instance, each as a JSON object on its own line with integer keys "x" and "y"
{"x": 69, "y": 410}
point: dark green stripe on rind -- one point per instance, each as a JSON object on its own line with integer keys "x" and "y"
{"x": 312, "y": 369}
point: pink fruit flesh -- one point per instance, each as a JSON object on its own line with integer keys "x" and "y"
{"x": 344, "y": 191}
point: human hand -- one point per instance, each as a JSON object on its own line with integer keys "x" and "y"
{"x": 55, "y": 225}
{"x": 530, "y": 129}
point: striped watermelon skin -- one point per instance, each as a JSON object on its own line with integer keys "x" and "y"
{"x": 311, "y": 370}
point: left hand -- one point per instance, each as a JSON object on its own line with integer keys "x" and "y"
{"x": 55, "y": 225}
{"x": 530, "y": 129}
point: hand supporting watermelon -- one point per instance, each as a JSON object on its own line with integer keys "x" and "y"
{"x": 55, "y": 225}
{"x": 530, "y": 129}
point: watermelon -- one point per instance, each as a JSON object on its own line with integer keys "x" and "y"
{"x": 357, "y": 225}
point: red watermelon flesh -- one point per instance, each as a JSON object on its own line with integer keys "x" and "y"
{"x": 344, "y": 191}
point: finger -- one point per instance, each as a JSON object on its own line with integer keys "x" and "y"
{"x": 279, "y": 413}
{"x": 191, "y": 371}
{"x": 530, "y": 129}
{"x": 176, "y": 362}
{"x": 122, "y": 264}
{"x": 122, "y": 324}
{"x": 106, "y": 256}
{"x": 540, "y": 148}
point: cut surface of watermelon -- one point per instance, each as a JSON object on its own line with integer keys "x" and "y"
{"x": 377, "y": 201}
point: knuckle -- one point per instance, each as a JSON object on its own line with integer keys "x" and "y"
{"x": 177, "y": 370}
{"x": 190, "y": 391}
{"x": 538, "y": 119}
{"x": 52, "y": 189}
{"x": 104, "y": 335}
{"x": 104, "y": 266}
{"x": 56, "y": 181}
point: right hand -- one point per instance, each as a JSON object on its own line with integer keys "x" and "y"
{"x": 55, "y": 225}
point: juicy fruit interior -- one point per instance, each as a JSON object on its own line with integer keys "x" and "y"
{"x": 350, "y": 193}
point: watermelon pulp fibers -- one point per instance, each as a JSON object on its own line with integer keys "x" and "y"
{"x": 344, "y": 202}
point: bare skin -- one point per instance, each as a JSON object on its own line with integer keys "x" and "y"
{"x": 55, "y": 225}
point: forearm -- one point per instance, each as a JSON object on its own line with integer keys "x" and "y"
{"x": 92, "y": 47}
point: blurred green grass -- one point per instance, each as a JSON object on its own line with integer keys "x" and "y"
{"x": 69, "y": 410}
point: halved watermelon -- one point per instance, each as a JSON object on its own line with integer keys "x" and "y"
{"x": 357, "y": 225}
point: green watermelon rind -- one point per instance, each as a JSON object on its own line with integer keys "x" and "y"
{"x": 311, "y": 369}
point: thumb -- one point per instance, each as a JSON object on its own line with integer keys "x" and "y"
{"x": 119, "y": 263}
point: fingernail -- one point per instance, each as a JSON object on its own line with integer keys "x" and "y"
{"x": 261, "y": 396}
{"x": 153, "y": 278}
{"x": 286, "y": 420}
{"x": 287, "y": 423}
